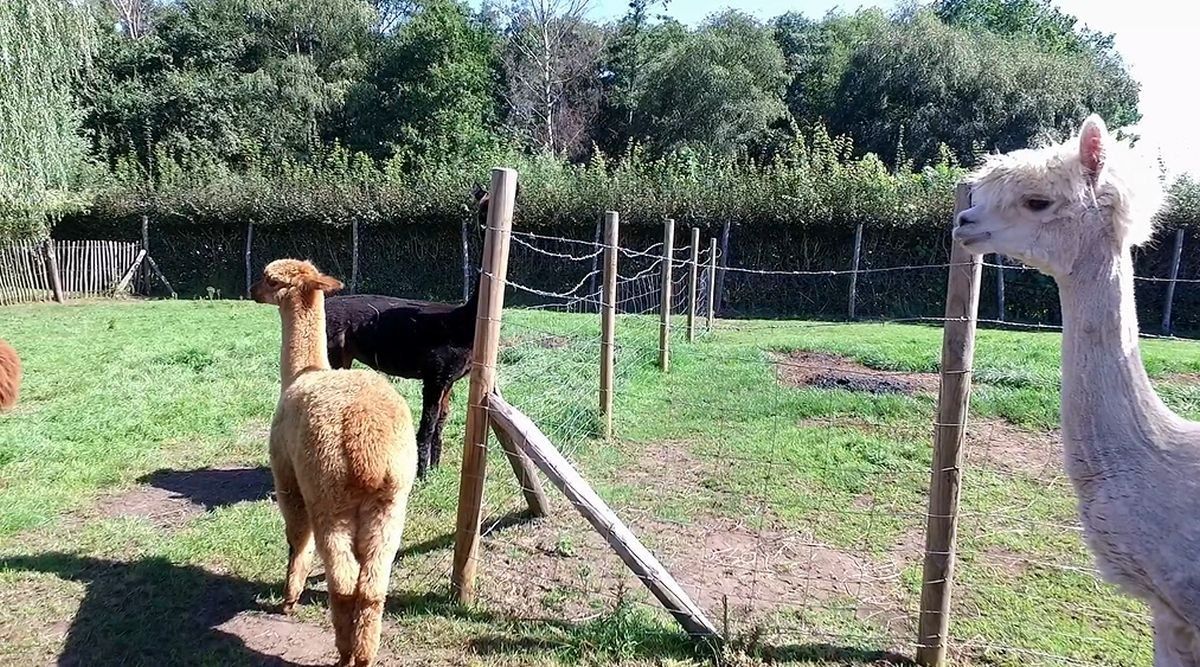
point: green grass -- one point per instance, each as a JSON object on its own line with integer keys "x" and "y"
{"x": 117, "y": 391}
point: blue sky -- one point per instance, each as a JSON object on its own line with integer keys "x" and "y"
{"x": 1160, "y": 39}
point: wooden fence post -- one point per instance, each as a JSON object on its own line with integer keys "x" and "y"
{"x": 854, "y": 271}
{"x": 596, "y": 259}
{"x": 146, "y": 246}
{"x": 1169, "y": 302}
{"x": 958, "y": 353}
{"x": 724, "y": 265}
{"x": 1001, "y": 313}
{"x": 664, "y": 325}
{"x": 354, "y": 256}
{"x": 712, "y": 280}
{"x": 608, "y": 320}
{"x": 52, "y": 269}
{"x": 247, "y": 258}
{"x": 483, "y": 375}
{"x": 693, "y": 285}
{"x": 466, "y": 261}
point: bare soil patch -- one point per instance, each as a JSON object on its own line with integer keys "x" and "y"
{"x": 999, "y": 444}
{"x": 281, "y": 640}
{"x": 170, "y": 498}
{"x": 830, "y": 371}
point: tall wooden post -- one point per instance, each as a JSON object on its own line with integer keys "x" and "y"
{"x": 854, "y": 271}
{"x": 246, "y": 257}
{"x": 724, "y": 265}
{"x": 1001, "y": 313}
{"x": 52, "y": 270}
{"x": 608, "y": 320}
{"x": 664, "y": 325}
{"x": 466, "y": 261}
{"x": 958, "y": 353}
{"x": 146, "y": 247}
{"x": 693, "y": 285}
{"x": 483, "y": 375}
{"x": 354, "y": 256}
{"x": 712, "y": 281}
{"x": 1169, "y": 302}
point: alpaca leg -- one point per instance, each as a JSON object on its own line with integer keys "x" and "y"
{"x": 1175, "y": 643}
{"x": 435, "y": 441}
{"x": 298, "y": 529}
{"x": 379, "y": 531}
{"x": 430, "y": 402}
{"x": 335, "y": 543}
{"x": 300, "y": 547}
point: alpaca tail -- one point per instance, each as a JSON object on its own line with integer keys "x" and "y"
{"x": 10, "y": 375}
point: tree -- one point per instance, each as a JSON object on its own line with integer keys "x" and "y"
{"x": 430, "y": 91}
{"x": 47, "y": 45}
{"x": 552, "y": 75}
{"x": 1054, "y": 31}
{"x": 924, "y": 83}
{"x": 716, "y": 89}
{"x": 227, "y": 80}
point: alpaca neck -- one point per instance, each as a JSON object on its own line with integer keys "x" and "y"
{"x": 304, "y": 346}
{"x": 1109, "y": 408}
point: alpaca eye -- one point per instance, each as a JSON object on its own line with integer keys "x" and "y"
{"x": 1036, "y": 204}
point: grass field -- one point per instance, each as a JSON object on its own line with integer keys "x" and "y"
{"x": 136, "y": 525}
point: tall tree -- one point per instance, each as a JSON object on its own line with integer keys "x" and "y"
{"x": 717, "y": 88}
{"x": 635, "y": 44}
{"x": 430, "y": 92}
{"x": 47, "y": 43}
{"x": 551, "y": 67}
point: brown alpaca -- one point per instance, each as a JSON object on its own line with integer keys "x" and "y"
{"x": 10, "y": 376}
{"x": 343, "y": 455}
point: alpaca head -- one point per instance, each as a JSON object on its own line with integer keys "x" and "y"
{"x": 1052, "y": 207}
{"x": 482, "y": 198}
{"x": 286, "y": 280}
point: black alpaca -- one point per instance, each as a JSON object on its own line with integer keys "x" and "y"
{"x": 425, "y": 341}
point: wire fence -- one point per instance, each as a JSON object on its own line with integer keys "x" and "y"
{"x": 780, "y": 472}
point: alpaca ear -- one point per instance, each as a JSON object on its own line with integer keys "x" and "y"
{"x": 1093, "y": 145}
{"x": 478, "y": 192}
{"x": 326, "y": 283}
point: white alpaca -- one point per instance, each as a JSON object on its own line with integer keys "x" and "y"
{"x": 1073, "y": 211}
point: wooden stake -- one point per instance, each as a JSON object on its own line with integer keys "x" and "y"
{"x": 531, "y": 487}
{"x": 483, "y": 374}
{"x": 128, "y": 277}
{"x": 354, "y": 256}
{"x": 712, "y": 281}
{"x": 52, "y": 269}
{"x": 1169, "y": 302}
{"x": 622, "y": 540}
{"x": 466, "y": 261}
{"x": 246, "y": 257}
{"x": 958, "y": 353}
{"x": 608, "y": 320}
{"x": 146, "y": 246}
{"x": 725, "y": 232}
{"x": 1000, "y": 309}
{"x": 664, "y": 327}
{"x": 854, "y": 271}
{"x": 693, "y": 285}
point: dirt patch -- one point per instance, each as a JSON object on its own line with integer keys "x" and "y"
{"x": 830, "y": 371}
{"x": 286, "y": 641}
{"x": 170, "y": 498}
{"x": 999, "y": 444}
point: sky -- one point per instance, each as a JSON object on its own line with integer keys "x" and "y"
{"x": 1159, "y": 39}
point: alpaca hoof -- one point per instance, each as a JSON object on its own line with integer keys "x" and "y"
{"x": 289, "y": 608}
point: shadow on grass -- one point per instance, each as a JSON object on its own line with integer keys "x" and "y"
{"x": 211, "y": 488}
{"x": 155, "y": 612}
{"x": 151, "y": 612}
